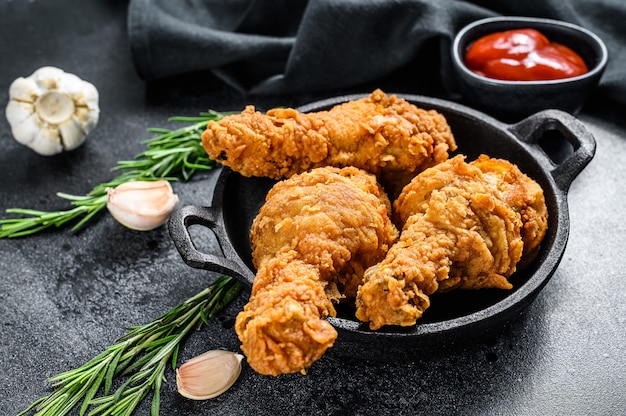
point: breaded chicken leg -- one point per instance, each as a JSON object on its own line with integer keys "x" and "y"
{"x": 311, "y": 241}
{"x": 522, "y": 194}
{"x": 384, "y": 135}
{"x": 462, "y": 227}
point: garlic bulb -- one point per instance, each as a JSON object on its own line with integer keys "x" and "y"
{"x": 52, "y": 110}
{"x": 208, "y": 375}
{"x": 142, "y": 205}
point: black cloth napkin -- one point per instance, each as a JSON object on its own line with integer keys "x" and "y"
{"x": 286, "y": 46}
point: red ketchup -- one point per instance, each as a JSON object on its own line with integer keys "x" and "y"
{"x": 523, "y": 55}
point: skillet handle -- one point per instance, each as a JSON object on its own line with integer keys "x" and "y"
{"x": 231, "y": 264}
{"x": 531, "y": 129}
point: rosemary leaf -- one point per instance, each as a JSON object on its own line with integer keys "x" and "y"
{"x": 138, "y": 361}
{"x": 172, "y": 154}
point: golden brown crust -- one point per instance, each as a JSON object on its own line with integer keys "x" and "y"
{"x": 384, "y": 135}
{"x": 522, "y": 194}
{"x": 462, "y": 228}
{"x": 312, "y": 240}
{"x": 283, "y": 327}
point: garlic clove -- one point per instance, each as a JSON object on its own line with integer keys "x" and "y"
{"x": 47, "y": 141}
{"x": 47, "y": 77}
{"x": 88, "y": 97}
{"x": 142, "y": 205}
{"x": 208, "y": 375}
{"x": 87, "y": 118}
{"x": 70, "y": 83}
{"x": 19, "y": 111}
{"x": 27, "y": 130}
{"x": 71, "y": 134}
{"x": 24, "y": 89}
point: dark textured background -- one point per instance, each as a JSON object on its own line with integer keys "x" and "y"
{"x": 64, "y": 297}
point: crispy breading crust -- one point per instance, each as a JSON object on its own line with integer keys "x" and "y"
{"x": 464, "y": 225}
{"x": 384, "y": 135}
{"x": 312, "y": 240}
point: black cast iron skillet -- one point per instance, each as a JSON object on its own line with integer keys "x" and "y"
{"x": 552, "y": 147}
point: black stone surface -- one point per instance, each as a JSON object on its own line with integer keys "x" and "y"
{"x": 65, "y": 297}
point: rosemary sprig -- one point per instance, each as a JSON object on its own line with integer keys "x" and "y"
{"x": 170, "y": 154}
{"x": 141, "y": 356}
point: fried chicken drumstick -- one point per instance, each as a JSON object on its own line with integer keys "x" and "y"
{"x": 312, "y": 240}
{"x": 464, "y": 225}
{"x": 384, "y": 135}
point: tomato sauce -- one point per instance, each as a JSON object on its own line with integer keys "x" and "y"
{"x": 523, "y": 55}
